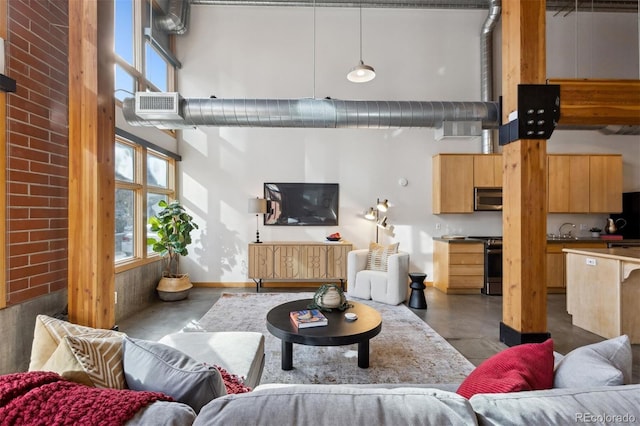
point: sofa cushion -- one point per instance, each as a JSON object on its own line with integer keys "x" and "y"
{"x": 239, "y": 352}
{"x": 152, "y": 366}
{"x": 378, "y": 255}
{"x": 595, "y": 405}
{"x": 49, "y": 332}
{"x": 519, "y": 368}
{"x": 93, "y": 361}
{"x": 163, "y": 413}
{"x": 606, "y": 363}
{"x": 338, "y": 404}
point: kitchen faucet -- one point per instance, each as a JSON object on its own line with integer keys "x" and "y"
{"x": 569, "y": 234}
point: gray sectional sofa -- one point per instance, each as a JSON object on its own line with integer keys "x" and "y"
{"x": 588, "y": 388}
{"x": 590, "y": 385}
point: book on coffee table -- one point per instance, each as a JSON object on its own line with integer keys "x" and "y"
{"x": 308, "y": 318}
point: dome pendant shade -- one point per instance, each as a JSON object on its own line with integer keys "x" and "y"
{"x": 361, "y": 73}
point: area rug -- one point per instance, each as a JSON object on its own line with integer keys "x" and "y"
{"x": 406, "y": 351}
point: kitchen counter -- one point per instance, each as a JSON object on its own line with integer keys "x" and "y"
{"x": 465, "y": 240}
{"x": 603, "y": 290}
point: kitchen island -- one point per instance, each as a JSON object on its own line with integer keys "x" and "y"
{"x": 603, "y": 290}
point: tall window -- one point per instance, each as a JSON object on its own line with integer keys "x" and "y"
{"x": 143, "y": 177}
{"x": 139, "y": 66}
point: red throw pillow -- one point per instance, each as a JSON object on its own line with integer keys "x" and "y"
{"x": 519, "y": 368}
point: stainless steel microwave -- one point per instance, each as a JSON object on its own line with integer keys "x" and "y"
{"x": 487, "y": 199}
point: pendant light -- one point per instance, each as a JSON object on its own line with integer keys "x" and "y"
{"x": 361, "y": 73}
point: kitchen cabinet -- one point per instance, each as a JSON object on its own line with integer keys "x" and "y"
{"x": 487, "y": 171}
{"x": 298, "y": 261}
{"x": 605, "y": 183}
{"x": 458, "y": 266}
{"x": 584, "y": 183}
{"x": 452, "y": 183}
{"x": 568, "y": 183}
{"x": 556, "y": 262}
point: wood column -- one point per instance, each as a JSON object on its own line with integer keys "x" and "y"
{"x": 524, "y": 309}
{"x": 91, "y": 163}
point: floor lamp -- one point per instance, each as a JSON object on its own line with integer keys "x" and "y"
{"x": 257, "y": 206}
{"x": 374, "y": 214}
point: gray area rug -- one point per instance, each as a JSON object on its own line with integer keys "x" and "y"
{"x": 406, "y": 351}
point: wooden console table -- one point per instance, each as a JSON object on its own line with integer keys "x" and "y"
{"x": 298, "y": 261}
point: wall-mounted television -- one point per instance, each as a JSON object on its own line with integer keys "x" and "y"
{"x": 302, "y": 204}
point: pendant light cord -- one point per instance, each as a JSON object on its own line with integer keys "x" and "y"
{"x": 360, "y": 31}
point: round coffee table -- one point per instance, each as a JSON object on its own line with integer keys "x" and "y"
{"x": 338, "y": 332}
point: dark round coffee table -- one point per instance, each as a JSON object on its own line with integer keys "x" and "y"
{"x": 338, "y": 332}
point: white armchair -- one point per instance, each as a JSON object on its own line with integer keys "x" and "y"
{"x": 389, "y": 287}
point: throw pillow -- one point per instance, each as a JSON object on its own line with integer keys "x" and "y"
{"x": 519, "y": 368}
{"x": 152, "y": 366}
{"x": 49, "y": 332}
{"x": 100, "y": 359}
{"x": 606, "y": 363}
{"x": 378, "y": 256}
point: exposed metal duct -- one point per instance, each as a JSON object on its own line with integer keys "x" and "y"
{"x": 176, "y": 18}
{"x": 486, "y": 67}
{"x": 630, "y": 6}
{"x": 318, "y": 113}
{"x": 621, "y": 130}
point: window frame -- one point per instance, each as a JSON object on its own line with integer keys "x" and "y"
{"x": 141, "y": 189}
{"x": 137, "y": 70}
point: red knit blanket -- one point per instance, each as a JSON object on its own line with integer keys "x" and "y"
{"x": 45, "y": 398}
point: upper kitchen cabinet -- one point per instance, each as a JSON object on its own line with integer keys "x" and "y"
{"x": 452, "y": 183}
{"x": 584, "y": 183}
{"x": 487, "y": 171}
{"x": 568, "y": 183}
{"x": 605, "y": 183}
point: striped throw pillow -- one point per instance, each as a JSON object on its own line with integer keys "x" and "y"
{"x": 378, "y": 255}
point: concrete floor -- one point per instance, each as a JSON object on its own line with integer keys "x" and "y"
{"x": 468, "y": 322}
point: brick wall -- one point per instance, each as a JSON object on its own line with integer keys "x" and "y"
{"x": 37, "y": 148}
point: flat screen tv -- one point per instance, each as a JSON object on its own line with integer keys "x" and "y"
{"x": 302, "y": 204}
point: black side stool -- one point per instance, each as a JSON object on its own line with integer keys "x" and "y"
{"x": 417, "y": 300}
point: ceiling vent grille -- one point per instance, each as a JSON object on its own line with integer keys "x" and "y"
{"x": 158, "y": 105}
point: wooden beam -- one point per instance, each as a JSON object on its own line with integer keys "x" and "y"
{"x": 91, "y": 163}
{"x": 599, "y": 102}
{"x": 524, "y": 312}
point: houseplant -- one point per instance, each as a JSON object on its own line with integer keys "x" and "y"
{"x": 172, "y": 226}
{"x": 595, "y": 232}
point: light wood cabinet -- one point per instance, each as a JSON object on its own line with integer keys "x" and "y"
{"x": 556, "y": 262}
{"x": 568, "y": 183}
{"x": 452, "y": 183}
{"x": 605, "y": 183}
{"x": 487, "y": 171}
{"x": 458, "y": 267}
{"x": 298, "y": 261}
{"x": 576, "y": 183}
{"x": 584, "y": 183}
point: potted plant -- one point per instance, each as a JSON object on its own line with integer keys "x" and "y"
{"x": 172, "y": 226}
{"x": 595, "y": 232}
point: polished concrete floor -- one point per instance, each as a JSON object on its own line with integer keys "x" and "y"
{"x": 469, "y": 322}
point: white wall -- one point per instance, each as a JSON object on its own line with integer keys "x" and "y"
{"x": 258, "y": 52}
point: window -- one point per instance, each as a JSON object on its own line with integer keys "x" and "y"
{"x": 143, "y": 177}
{"x": 139, "y": 66}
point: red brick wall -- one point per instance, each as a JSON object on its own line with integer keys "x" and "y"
{"x": 37, "y": 148}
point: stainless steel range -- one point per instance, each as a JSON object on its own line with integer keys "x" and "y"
{"x": 492, "y": 265}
